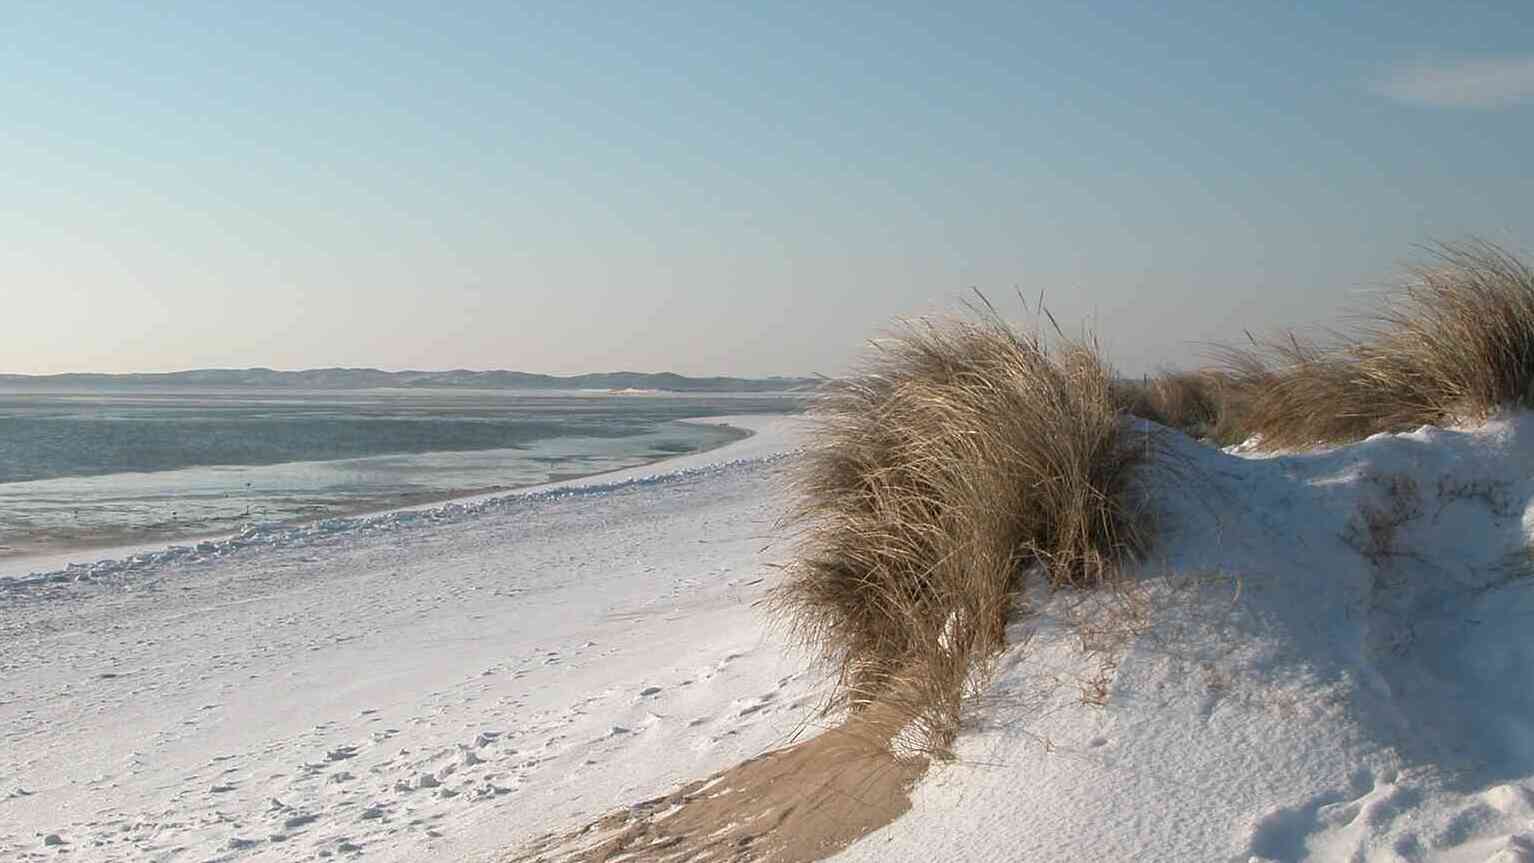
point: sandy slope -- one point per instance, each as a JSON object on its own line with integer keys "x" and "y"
{"x": 428, "y": 686}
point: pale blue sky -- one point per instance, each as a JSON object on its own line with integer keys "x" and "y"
{"x": 714, "y": 188}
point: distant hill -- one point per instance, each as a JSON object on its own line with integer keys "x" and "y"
{"x": 374, "y": 379}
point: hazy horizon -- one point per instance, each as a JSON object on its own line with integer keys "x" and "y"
{"x": 297, "y": 370}
{"x": 742, "y": 191}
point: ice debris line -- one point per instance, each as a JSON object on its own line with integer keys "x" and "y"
{"x": 284, "y": 536}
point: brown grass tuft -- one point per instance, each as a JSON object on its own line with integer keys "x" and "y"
{"x": 1197, "y": 403}
{"x": 1454, "y": 342}
{"x": 962, "y": 456}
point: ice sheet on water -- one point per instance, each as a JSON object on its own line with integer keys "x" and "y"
{"x": 257, "y": 535}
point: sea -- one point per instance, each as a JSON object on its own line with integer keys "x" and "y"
{"x": 99, "y": 466}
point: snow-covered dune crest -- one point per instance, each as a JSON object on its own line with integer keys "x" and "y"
{"x": 1328, "y": 656}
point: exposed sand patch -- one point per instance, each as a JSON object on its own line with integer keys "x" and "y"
{"x": 801, "y": 803}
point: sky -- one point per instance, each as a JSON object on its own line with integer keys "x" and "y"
{"x": 723, "y": 188}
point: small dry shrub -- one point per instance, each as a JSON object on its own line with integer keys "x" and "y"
{"x": 1454, "y": 342}
{"x": 962, "y": 456}
{"x": 1198, "y": 403}
{"x": 1494, "y": 494}
{"x": 1373, "y": 527}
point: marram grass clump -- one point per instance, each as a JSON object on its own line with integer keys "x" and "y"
{"x": 1453, "y": 342}
{"x": 1202, "y": 404}
{"x": 962, "y": 458}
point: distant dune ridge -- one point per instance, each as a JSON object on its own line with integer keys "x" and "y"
{"x": 342, "y": 378}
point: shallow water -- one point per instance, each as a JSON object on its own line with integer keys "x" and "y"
{"x": 108, "y": 465}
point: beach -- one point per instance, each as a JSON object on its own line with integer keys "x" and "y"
{"x": 767, "y": 433}
{"x": 564, "y": 672}
{"x": 421, "y": 691}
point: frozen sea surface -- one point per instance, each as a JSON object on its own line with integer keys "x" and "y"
{"x": 118, "y": 465}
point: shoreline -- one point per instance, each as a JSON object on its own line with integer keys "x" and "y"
{"x": 419, "y": 688}
{"x": 28, "y": 560}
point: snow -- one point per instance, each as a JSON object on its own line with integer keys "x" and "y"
{"x": 1326, "y": 656}
{"x": 437, "y": 684}
{"x": 1282, "y": 686}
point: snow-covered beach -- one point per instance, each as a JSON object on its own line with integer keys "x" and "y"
{"x": 1284, "y": 684}
{"x": 432, "y": 685}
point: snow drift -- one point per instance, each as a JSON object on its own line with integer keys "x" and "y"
{"x": 1329, "y": 656}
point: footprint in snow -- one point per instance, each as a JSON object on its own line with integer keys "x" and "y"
{"x": 341, "y": 753}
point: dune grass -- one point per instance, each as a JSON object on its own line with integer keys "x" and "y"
{"x": 1202, "y": 404}
{"x": 1453, "y": 342}
{"x": 963, "y": 457}
{"x": 966, "y": 457}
